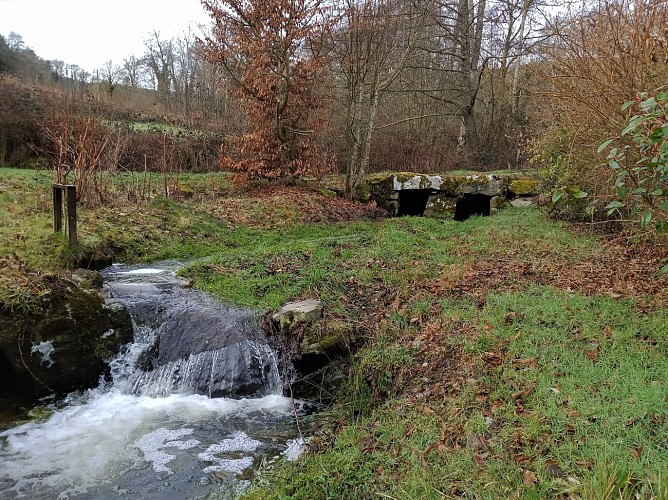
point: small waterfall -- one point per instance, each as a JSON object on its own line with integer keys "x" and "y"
{"x": 187, "y": 343}
{"x": 193, "y": 406}
{"x": 243, "y": 369}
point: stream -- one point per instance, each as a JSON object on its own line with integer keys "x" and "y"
{"x": 192, "y": 408}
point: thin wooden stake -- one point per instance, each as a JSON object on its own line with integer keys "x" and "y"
{"x": 57, "y": 208}
{"x": 72, "y": 214}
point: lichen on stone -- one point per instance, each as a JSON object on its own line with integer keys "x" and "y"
{"x": 441, "y": 206}
{"x": 383, "y": 188}
{"x": 523, "y": 187}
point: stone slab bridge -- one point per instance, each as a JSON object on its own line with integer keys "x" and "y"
{"x": 455, "y": 195}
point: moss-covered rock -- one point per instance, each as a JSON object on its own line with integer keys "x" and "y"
{"x": 185, "y": 190}
{"x": 93, "y": 255}
{"x": 524, "y": 187}
{"x": 294, "y": 313}
{"x": 497, "y": 203}
{"x": 441, "y": 206}
{"x": 487, "y": 184}
{"x": 323, "y": 354}
{"x": 326, "y": 338}
{"x": 328, "y": 192}
{"x": 409, "y": 181}
{"x": 88, "y": 279}
{"x": 524, "y": 202}
{"x": 379, "y": 188}
{"x": 62, "y": 344}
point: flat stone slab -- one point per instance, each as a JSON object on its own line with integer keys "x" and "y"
{"x": 294, "y": 313}
{"x": 523, "y": 202}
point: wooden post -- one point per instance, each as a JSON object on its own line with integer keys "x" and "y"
{"x": 72, "y": 214}
{"x": 70, "y": 208}
{"x": 57, "y": 208}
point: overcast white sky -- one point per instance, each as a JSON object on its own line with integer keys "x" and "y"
{"x": 91, "y": 32}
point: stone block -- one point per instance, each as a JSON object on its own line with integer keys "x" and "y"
{"x": 441, "y": 206}
{"x": 294, "y": 313}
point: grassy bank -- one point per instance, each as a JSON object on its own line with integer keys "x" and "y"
{"x": 504, "y": 357}
{"x": 500, "y": 357}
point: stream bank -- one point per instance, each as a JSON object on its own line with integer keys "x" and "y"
{"x": 60, "y": 340}
{"x": 190, "y": 407}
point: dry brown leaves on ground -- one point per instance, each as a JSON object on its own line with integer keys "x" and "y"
{"x": 280, "y": 205}
{"x": 439, "y": 369}
{"x": 616, "y": 271}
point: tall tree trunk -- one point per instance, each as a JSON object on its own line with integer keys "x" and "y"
{"x": 470, "y": 28}
{"x": 514, "y": 89}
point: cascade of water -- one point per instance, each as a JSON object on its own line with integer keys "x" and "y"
{"x": 189, "y": 344}
{"x": 243, "y": 369}
{"x": 164, "y": 426}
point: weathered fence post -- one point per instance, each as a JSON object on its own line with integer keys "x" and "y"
{"x": 70, "y": 208}
{"x": 57, "y": 208}
{"x": 72, "y": 214}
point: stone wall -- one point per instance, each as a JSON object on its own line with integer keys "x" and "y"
{"x": 452, "y": 195}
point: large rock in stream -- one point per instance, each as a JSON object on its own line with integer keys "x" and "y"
{"x": 194, "y": 343}
{"x": 62, "y": 343}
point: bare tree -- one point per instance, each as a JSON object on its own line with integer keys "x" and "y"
{"x": 160, "y": 59}
{"x": 132, "y": 71}
{"x": 58, "y": 68}
{"x": 109, "y": 76}
{"x": 376, "y": 40}
{"x": 185, "y": 67}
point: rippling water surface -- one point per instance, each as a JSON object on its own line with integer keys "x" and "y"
{"x": 117, "y": 442}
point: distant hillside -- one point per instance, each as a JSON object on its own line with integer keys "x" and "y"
{"x": 21, "y": 61}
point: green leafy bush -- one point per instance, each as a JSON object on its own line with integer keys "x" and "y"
{"x": 639, "y": 157}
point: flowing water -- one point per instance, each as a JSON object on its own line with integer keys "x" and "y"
{"x": 191, "y": 409}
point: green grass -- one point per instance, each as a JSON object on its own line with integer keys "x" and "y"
{"x": 453, "y": 393}
{"x": 266, "y": 268}
{"x": 602, "y": 423}
{"x": 158, "y": 228}
{"x": 600, "y": 378}
{"x": 26, "y": 224}
{"x": 162, "y": 127}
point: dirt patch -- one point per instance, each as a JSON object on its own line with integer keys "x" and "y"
{"x": 280, "y": 205}
{"x": 616, "y": 271}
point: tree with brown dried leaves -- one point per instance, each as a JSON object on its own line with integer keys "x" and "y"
{"x": 270, "y": 51}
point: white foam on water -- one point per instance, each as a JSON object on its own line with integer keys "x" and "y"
{"x": 86, "y": 445}
{"x": 240, "y": 441}
{"x": 153, "y": 443}
{"x": 146, "y": 270}
{"x": 235, "y": 466}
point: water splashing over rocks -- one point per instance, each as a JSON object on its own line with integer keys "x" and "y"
{"x": 191, "y": 406}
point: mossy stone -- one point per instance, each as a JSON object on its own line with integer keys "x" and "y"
{"x": 295, "y": 313}
{"x": 441, "y": 206}
{"x": 328, "y": 192}
{"x": 83, "y": 334}
{"x": 523, "y": 187}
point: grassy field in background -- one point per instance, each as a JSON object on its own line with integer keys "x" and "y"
{"x": 500, "y": 357}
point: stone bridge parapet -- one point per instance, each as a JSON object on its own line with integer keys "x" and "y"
{"x": 455, "y": 195}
